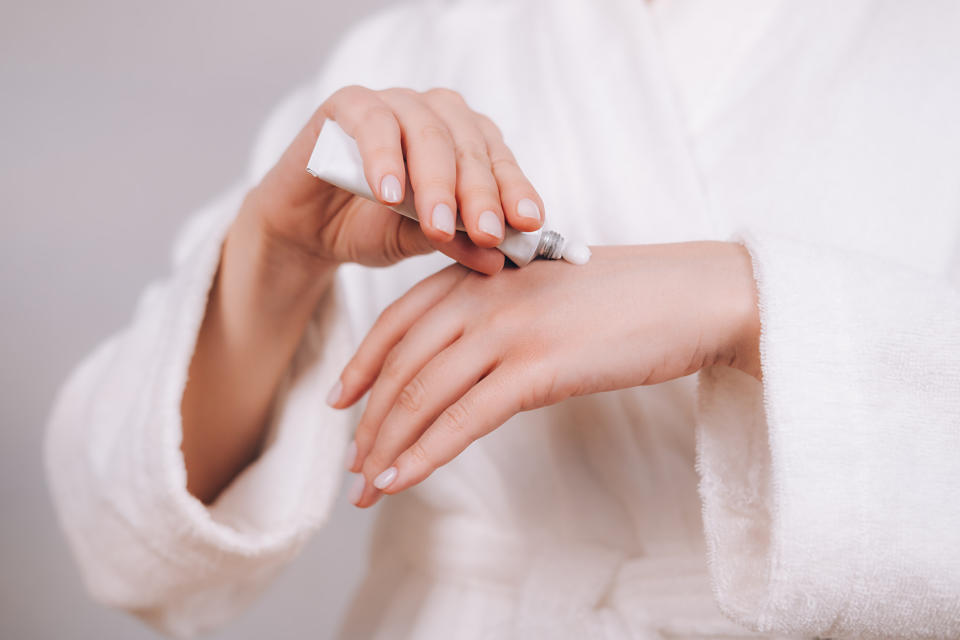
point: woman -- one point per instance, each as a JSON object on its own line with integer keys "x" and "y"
{"x": 774, "y": 165}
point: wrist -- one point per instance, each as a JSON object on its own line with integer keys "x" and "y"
{"x": 260, "y": 302}
{"x": 265, "y": 280}
{"x": 285, "y": 272}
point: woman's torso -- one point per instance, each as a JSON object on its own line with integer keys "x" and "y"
{"x": 833, "y": 126}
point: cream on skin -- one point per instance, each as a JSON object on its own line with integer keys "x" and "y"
{"x": 576, "y": 253}
{"x": 336, "y": 159}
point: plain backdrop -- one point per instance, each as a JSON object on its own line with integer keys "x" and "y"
{"x": 119, "y": 118}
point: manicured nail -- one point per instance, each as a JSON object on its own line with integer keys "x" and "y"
{"x": 351, "y": 455}
{"x": 442, "y": 219}
{"x": 489, "y": 223}
{"x": 383, "y": 480}
{"x": 527, "y": 208}
{"x": 390, "y": 188}
{"x": 334, "y": 394}
{"x": 356, "y": 489}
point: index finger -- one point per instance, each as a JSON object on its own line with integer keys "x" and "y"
{"x": 484, "y": 407}
{"x": 371, "y": 122}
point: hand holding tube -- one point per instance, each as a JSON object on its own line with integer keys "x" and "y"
{"x": 455, "y": 159}
{"x": 336, "y": 159}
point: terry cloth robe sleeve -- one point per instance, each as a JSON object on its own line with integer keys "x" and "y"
{"x": 117, "y": 476}
{"x": 829, "y": 489}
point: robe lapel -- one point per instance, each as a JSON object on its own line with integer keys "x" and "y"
{"x": 620, "y": 151}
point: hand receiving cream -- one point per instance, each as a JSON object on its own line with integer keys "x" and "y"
{"x": 336, "y": 159}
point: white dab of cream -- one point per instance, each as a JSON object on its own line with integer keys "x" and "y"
{"x": 576, "y": 252}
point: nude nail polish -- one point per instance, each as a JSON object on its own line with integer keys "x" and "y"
{"x": 442, "y": 218}
{"x": 390, "y": 189}
{"x": 489, "y": 223}
{"x": 334, "y": 394}
{"x": 356, "y": 489}
{"x": 527, "y": 208}
{"x": 383, "y": 480}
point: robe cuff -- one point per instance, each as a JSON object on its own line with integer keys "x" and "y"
{"x": 819, "y": 486}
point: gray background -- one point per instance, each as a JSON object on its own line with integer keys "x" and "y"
{"x": 119, "y": 118}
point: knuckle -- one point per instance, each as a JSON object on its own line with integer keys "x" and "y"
{"x": 374, "y": 463}
{"x": 377, "y": 113}
{"x": 363, "y": 436}
{"x": 321, "y": 113}
{"x": 545, "y": 391}
{"x": 419, "y": 455}
{"x": 445, "y": 95}
{"x": 435, "y": 132}
{"x": 400, "y": 91}
{"x": 477, "y": 289}
{"x": 473, "y": 151}
{"x": 387, "y": 159}
{"x": 480, "y": 192}
{"x": 391, "y": 365}
{"x": 499, "y": 321}
{"x": 412, "y": 395}
{"x": 348, "y": 92}
{"x": 435, "y": 184}
{"x": 544, "y": 386}
{"x": 503, "y": 164}
{"x": 455, "y": 420}
{"x": 383, "y": 150}
{"x": 342, "y": 91}
{"x": 489, "y": 127}
{"x": 439, "y": 184}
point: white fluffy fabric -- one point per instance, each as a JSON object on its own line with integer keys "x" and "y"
{"x": 820, "y": 502}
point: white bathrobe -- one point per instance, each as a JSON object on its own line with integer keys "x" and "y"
{"x": 824, "y": 501}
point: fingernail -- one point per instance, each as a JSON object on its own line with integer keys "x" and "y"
{"x": 527, "y": 208}
{"x": 390, "y": 188}
{"x": 489, "y": 223}
{"x": 334, "y": 394}
{"x": 351, "y": 456}
{"x": 383, "y": 480}
{"x": 356, "y": 489}
{"x": 442, "y": 219}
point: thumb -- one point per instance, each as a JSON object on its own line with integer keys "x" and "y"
{"x": 410, "y": 239}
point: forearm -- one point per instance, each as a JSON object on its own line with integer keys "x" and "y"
{"x": 259, "y": 306}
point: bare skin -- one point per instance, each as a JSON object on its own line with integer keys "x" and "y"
{"x": 641, "y": 314}
{"x": 459, "y": 354}
{"x": 293, "y": 231}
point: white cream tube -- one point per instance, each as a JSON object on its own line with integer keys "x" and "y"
{"x": 336, "y": 159}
